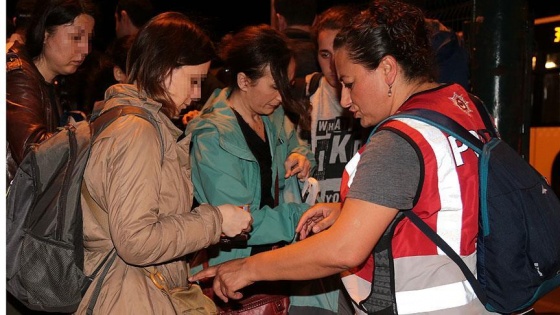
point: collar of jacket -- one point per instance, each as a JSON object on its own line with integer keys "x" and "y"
{"x": 128, "y": 94}
{"x": 217, "y": 115}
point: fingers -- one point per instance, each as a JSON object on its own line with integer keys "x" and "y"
{"x": 320, "y": 226}
{"x": 304, "y": 170}
{"x": 289, "y": 165}
{"x": 308, "y": 220}
{"x": 297, "y": 164}
{"x": 203, "y": 274}
{"x": 218, "y": 291}
{"x": 224, "y": 293}
{"x": 247, "y": 229}
{"x": 235, "y": 220}
{"x": 304, "y": 232}
{"x": 317, "y": 218}
{"x": 190, "y": 116}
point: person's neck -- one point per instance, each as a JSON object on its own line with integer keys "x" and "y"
{"x": 237, "y": 103}
{"x": 411, "y": 89}
{"x": 253, "y": 119}
{"x": 43, "y": 68}
{"x": 306, "y": 28}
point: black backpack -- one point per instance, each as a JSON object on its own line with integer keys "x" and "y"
{"x": 44, "y": 245}
{"x": 518, "y": 244}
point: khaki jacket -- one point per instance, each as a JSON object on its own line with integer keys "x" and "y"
{"x": 147, "y": 205}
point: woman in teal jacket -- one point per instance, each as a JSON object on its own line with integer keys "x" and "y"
{"x": 245, "y": 150}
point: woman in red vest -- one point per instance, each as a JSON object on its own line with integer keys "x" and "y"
{"x": 386, "y": 65}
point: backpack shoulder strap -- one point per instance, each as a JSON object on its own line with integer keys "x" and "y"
{"x": 448, "y": 125}
{"x": 99, "y": 123}
{"x": 431, "y": 234}
{"x": 444, "y": 123}
{"x": 485, "y": 116}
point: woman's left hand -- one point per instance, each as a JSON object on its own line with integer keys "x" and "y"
{"x": 297, "y": 164}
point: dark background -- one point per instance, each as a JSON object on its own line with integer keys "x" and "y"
{"x": 219, "y": 17}
{"x": 216, "y": 17}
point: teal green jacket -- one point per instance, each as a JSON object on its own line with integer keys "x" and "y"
{"x": 224, "y": 170}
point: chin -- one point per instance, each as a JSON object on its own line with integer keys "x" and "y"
{"x": 365, "y": 124}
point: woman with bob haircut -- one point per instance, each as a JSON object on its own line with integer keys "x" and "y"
{"x": 145, "y": 199}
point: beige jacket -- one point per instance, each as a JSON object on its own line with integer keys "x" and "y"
{"x": 147, "y": 205}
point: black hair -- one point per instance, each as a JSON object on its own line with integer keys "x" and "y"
{"x": 296, "y": 12}
{"x": 24, "y": 10}
{"x": 251, "y": 50}
{"x": 335, "y": 18}
{"x": 390, "y": 27}
{"x": 48, "y": 15}
{"x": 139, "y": 11}
{"x": 101, "y": 77}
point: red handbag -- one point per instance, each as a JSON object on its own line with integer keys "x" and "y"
{"x": 253, "y": 304}
{"x": 258, "y": 304}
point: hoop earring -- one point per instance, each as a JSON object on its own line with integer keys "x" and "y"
{"x": 390, "y": 93}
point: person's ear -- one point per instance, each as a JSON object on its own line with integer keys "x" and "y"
{"x": 389, "y": 67}
{"x": 45, "y": 37}
{"x": 282, "y": 25}
{"x": 314, "y": 20}
{"x": 124, "y": 17}
{"x": 243, "y": 81}
{"x": 119, "y": 74}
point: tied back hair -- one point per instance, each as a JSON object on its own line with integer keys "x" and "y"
{"x": 390, "y": 27}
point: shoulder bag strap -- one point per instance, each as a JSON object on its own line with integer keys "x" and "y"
{"x": 95, "y": 293}
{"x": 109, "y": 258}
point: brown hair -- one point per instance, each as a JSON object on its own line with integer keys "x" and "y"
{"x": 168, "y": 41}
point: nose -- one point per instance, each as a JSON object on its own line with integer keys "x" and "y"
{"x": 332, "y": 65}
{"x": 345, "y": 100}
{"x": 82, "y": 47}
{"x": 196, "y": 92}
{"x": 278, "y": 97}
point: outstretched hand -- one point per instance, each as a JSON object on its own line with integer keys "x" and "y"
{"x": 318, "y": 218}
{"x": 229, "y": 278}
